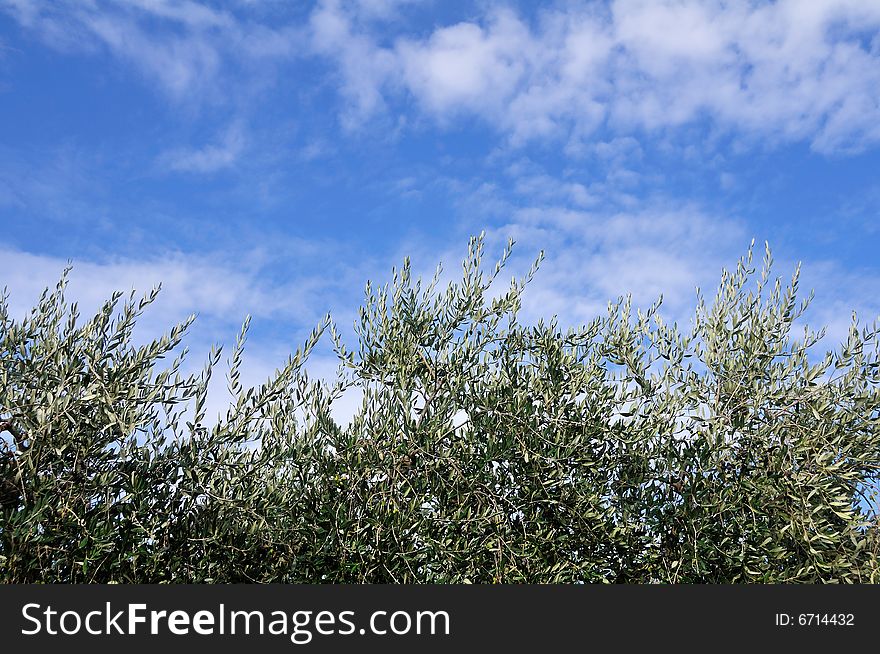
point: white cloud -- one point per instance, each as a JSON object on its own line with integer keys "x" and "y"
{"x": 220, "y": 287}
{"x": 785, "y": 71}
{"x": 839, "y": 292}
{"x": 777, "y": 71}
{"x": 541, "y": 187}
{"x": 363, "y": 68}
{"x": 190, "y": 284}
{"x": 646, "y": 247}
{"x": 185, "y": 47}
{"x": 209, "y": 158}
{"x": 655, "y": 247}
{"x": 465, "y": 66}
{"x": 592, "y": 258}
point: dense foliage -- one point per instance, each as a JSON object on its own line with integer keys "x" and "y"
{"x": 485, "y": 450}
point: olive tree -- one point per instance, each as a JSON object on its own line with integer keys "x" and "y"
{"x": 484, "y": 450}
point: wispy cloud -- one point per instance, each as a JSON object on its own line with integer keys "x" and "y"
{"x": 782, "y": 70}
{"x": 208, "y": 158}
{"x": 363, "y": 67}
{"x": 596, "y": 257}
{"x": 189, "y": 49}
{"x": 222, "y": 287}
{"x": 646, "y": 247}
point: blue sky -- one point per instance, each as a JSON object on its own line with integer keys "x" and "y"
{"x": 270, "y": 157}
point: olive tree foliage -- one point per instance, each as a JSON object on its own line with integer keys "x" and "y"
{"x": 484, "y": 450}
